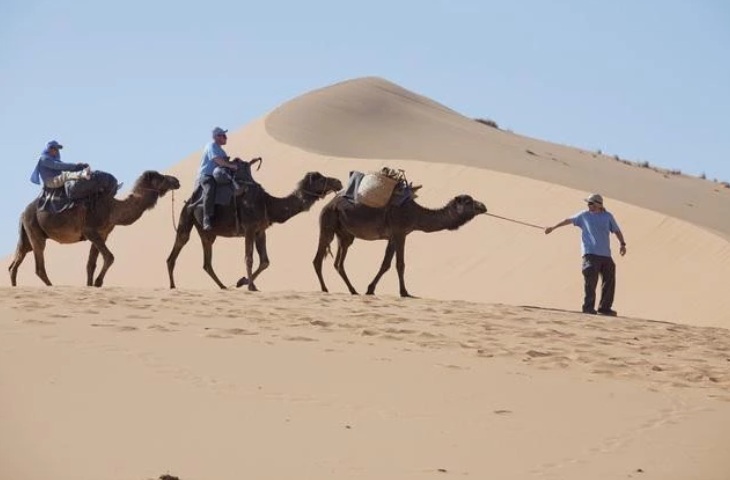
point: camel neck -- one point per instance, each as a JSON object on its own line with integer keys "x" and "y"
{"x": 279, "y": 210}
{"x": 128, "y": 211}
{"x": 430, "y": 220}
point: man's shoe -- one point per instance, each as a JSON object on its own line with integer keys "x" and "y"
{"x": 589, "y": 311}
{"x": 608, "y": 312}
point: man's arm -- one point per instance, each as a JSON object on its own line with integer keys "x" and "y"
{"x": 620, "y": 237}
{"x": 224, "y": 163}
{"x": 567, "y": 221}
{"x": 51, "y": 164}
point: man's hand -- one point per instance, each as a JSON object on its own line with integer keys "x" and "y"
{"x": 622, "y": 250}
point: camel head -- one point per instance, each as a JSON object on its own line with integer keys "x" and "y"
{"x": 465, "y": 207}
{"x": 314, "y": 184}
{"x": 157, "y": 182}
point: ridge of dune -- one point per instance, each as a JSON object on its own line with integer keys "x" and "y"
{"x": 374, "y": 118}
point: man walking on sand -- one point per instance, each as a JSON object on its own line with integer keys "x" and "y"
{"x": 596, "y": 225}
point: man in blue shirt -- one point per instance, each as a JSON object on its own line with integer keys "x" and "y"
{"x": 213, "y": 156}
{"x": 596, "y": 225}
{"x": 52, "y": 172}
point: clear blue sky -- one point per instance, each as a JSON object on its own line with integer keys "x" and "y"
{"x": 128, "y": 86}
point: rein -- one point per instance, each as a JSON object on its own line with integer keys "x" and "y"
{"x": 516, "y": 221}
{"x": 159, "y": 193}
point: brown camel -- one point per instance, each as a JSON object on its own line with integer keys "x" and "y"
{"x": 256, "y": 211}
{"x": 349, "y": 221}
{"x": 87, "y": 221}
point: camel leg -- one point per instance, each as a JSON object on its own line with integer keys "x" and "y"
{"x": 384, "y": 267}
{"x": 263, "y": 260}
{"x": 207, "y": 241}
{"x": 99, "y": 242}
{"x": 91, "y": 265}
{"x": 344, "y": 243}
{"x": 37, "y": 241}
{"x": 325, "y": 239}
{"x": 250, "y": 240}
{"x": 185, "y": 226}
{"x": 400, "y": 265}
{"x": 21, "y": 251}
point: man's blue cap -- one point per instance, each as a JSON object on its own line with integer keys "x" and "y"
{"x": 54, "y": 144}
{"x": 219, "y": 131}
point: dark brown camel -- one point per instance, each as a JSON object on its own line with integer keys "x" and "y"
{"x": 251, "y": 224}
{"x": 84, "y": 222}
{"x": 349, "y": 221}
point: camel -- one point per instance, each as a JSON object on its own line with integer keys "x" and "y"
{"x": 249, "y": 217}
{"x": 348, "y": 221}
{"x": 92, "y": 221}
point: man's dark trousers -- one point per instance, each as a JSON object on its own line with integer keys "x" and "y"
{"x": 593, "y": 266}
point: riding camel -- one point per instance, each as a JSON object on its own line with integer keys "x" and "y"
{"x": 348, "y": 221}
{"x": 249, "y": 215}
{"x": 91, "y": 219}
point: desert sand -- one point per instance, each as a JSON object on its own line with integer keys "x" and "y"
{"x": 491, "y": 373}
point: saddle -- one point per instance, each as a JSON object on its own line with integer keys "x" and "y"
{"x": 402, "y": 192}
{"x": 75, "y": 192}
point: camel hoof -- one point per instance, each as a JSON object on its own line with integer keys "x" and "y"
{"x": 241, "y": 282}
{"x": 252, "y": 288}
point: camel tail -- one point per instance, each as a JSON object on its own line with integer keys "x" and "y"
{"x": 24, "y": 246}
{"x": 23, "y": 240}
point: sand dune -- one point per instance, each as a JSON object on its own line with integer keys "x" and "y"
{"x": 374, "y": 118}
{"x": 130, "y": 383}
{"x": 352, "y": 127}
{"x": 490, "y": 373}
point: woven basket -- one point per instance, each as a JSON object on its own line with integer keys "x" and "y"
{"x": 375, "y": 189}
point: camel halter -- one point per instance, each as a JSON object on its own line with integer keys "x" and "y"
{"x": 320, "y": 195}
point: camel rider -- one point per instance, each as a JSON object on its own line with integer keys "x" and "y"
{"x": 53, "y": 173}
{"x": 213, "y": 156}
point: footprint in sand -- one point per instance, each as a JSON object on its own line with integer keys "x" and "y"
{"x": 119, "y": 328}
{"x": 320, "y": 323}
{"x": 34, "y": 321}
{"x": 240, "y": 331}
{"x": 160, "y": 328}
{"x": 300, "y": 338}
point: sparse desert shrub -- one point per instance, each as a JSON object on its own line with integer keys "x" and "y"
{"x": 644, "y": 164}
{"x": 725, "y": 184}
{"x": 703, "y": 176}
{"x": 488, "y": 122}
